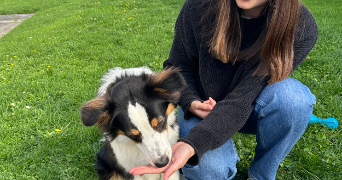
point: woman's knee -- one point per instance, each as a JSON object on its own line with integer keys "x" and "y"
{"x": 290, "y": 98}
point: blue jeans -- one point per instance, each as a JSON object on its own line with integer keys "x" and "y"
{"x": 281, "y": 114}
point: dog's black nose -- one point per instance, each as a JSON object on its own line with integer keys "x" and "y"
{"x": 163, "y": 161}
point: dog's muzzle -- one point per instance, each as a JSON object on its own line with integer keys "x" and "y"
{"x": 157, "y": 149}
{"x": 161, "y": 162}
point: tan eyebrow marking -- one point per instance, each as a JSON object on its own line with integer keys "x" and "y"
{"x": 154, "y": 122}
{"x": 170, "y": 108}
{"x": 161, "y": 91}
{"x": 135, "y": 132}
{"x": 103, "y": 120}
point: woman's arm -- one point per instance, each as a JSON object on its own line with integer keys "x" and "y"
{"x": 184, "y": 55}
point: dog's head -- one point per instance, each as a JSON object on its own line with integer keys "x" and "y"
{"x": 138, "y": 107}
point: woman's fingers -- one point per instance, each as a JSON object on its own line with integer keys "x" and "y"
{"x": 203, "y": 106}
{"x": 172, "y": 169}
{"x": 181, "y": 153}
{"x": 175, "y": 147}
{"x": 212, "y": 101}
{"x": 147, "y": 169}
{"x": 206, "y": 102}
{"x": 202, "y": 109}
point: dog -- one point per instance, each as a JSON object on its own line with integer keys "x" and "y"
{"x": 135, "y": 109}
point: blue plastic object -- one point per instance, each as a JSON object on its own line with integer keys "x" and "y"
{"x": 330, "y": 123}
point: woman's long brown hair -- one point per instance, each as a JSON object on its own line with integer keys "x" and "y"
{"x": 275, "y": 42}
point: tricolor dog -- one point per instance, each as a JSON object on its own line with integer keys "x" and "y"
{"x": 135, "y": 108}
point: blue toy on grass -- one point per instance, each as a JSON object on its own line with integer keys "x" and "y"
{"x": 330, "y": 123}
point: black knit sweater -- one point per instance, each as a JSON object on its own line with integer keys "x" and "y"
{"x": 232, "y": 86}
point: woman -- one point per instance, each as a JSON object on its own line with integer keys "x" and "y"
{"x": 239, "y": 54}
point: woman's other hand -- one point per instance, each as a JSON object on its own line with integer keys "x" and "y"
{"x": 202, "y": 109}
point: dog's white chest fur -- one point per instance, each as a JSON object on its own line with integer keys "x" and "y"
{"x": 129, "y": 155}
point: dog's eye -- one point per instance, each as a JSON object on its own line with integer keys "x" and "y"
{"x": 156, "y": 121}
{"x": 161, "y": 118}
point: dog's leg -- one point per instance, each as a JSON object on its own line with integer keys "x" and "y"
{"x": 107, "y": 166}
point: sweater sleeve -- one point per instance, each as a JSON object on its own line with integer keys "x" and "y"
{"x": 227, "y": 117}
{"x": 184, "y": 55}
{"x": 230, "y": 114}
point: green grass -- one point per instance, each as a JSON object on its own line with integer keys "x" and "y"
{"x": 28, "y": 6}
{"x": 56, "y": 58}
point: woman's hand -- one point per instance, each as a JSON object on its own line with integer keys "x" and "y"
{"x": 200, "y": 109}
{"x": 181, "y": 153}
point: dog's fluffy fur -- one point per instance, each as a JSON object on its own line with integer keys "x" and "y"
{"x": 135, "y": 108}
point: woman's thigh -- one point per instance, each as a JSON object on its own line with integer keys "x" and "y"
{"x": 219, "y": 163}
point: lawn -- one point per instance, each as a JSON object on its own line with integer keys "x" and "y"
{"x": 51, "y": 63}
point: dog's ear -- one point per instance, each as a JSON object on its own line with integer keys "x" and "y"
{"x": 95, "y": 111}
{"x": 168, "y": 83}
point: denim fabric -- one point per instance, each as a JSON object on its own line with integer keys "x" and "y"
{"x": 281, "y": 114}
